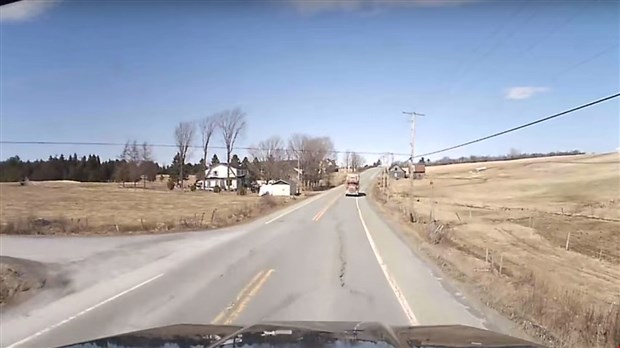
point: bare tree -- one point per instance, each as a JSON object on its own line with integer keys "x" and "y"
{"x": 356, "y": 161}
{"x": 311, "y": 153}
{"x": 207, "y": 127}
{"x": 135, "y": 158}
{"x": 232, "y": 124}
{"x": 147, "y": 152}
{"x": 347, "y": 159}
{"x": 183, "y": 135}
{"x": 271, "y": 156}
{"x": 147, "y": 169}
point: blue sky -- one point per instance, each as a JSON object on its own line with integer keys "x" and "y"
{"x": 111, "y": 71}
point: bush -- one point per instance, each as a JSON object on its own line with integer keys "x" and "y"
{"x": 193, "y": 187}
{"x": 267, "y": 202}
{"x": 217, "y": 189}
{"x": 170, "y": 184}
{"x": 243, "y": 191}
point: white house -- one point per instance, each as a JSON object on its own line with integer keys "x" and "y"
{"x": 277, "y": 188}
{"x": 219, "y": 173}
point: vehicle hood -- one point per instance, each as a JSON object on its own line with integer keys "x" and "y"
{"x": 308, "y": 334}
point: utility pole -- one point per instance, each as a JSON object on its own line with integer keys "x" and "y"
{"x": 298, "y": 174}
{"x": 412, "y": 115}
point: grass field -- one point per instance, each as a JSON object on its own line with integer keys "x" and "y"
{"x": 519, "y": 216}
{"x": 71, "y": 207}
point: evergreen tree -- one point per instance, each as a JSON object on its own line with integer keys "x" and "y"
{"x": 215, "y": 160}
{"x": 234, "y": 161}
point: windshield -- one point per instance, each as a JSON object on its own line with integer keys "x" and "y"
{"x": 415, "y": 163}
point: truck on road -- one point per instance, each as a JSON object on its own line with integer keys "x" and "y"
{"x": 352, "y": 185}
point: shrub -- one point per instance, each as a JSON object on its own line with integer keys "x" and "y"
{"x": 217, "y": 189}
{"x": 243, "y": 191}
{"x": 193, "y": 187}
{"x": 170, "y": 184}
{"x": 267, "y": 202}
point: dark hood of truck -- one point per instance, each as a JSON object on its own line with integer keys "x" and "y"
{"x": 308, "y": 334}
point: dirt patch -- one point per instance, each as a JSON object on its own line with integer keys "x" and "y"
{"x": 537, "y": 240}
{"x": 20, "y": 279}
{"x": 102, "y": 208}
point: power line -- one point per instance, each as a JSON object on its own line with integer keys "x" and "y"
{"x": 84, "y": 143}
{"x": 585, "y": 61}
{"x": 598, "y": 101}
{"x": 523, "y": 126}
{"x": 494, "y": 45}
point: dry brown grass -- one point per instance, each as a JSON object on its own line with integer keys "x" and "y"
{"x": 59, "y": 207}
{"x": 521, "y": 213}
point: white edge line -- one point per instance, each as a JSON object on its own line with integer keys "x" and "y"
{"x": 293, "y": 209}
{"x": 49, "y": 328}
{"x": 395, "y": 288}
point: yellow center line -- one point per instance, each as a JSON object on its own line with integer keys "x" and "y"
{"x": 324, "y": 210}
{"x": 245, "y": 300}
{"x": 231, "y": 312}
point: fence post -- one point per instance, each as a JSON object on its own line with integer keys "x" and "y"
{"x": 213, "y": 215}
{"x": 501, "y": 263}
{"x": 567, "y": 239}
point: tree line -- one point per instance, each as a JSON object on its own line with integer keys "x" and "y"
{"x": 514, "y": 154}
{"x": 86, "y": 168}
{"x": 301, "y": 157}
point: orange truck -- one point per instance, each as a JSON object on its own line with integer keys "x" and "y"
{"x": 352, "y": 185}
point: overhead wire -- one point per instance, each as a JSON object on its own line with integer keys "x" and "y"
{"x": 563, "y": 113}
{"x": 585, "y": 10}
{"x": 578, "y": 13}
{"x": 585, "y": 61}
{"x": 249, "y": 148}
{"x": 498, "y": 42}
{"x": 529, "y": 124}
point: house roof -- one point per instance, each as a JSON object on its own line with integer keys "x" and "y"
{"x": 226, "y": 164}
{"x": 280, "y": 182}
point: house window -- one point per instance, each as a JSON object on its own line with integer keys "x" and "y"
{"x": 215, "y": 173}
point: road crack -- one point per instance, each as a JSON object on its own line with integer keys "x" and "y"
{"x": 342, "y": 258}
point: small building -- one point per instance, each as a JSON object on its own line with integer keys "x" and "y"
{"x": 419, "y": 168}
{"x": 278, "y": 188}
{"x": 397, "y": 172}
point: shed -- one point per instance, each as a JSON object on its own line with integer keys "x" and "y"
{"x": 397, "y": 172}
{"x": 277, "y": 188}
{"x": 419, "y": 168}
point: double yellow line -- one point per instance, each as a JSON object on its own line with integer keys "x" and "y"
{"x": 324, "y": 210}
{"x": 230, "y": 313}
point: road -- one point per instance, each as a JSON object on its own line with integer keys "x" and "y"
{"x": 329, "y": 257}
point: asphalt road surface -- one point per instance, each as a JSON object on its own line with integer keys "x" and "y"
{"x": 329, "y": 257}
